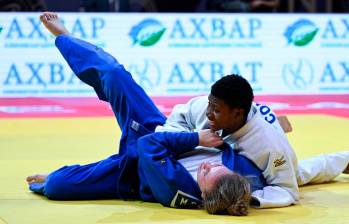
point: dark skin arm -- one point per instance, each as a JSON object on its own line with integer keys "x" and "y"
{"x": 285, "y": 123}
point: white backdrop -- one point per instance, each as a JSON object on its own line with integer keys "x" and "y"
{"x": 183, "y": 54}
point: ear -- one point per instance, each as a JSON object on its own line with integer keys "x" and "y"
{"x": 203, "y": 195}
{"x": 238, "y": 112}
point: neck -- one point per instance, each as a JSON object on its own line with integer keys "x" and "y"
{"x": 234, "y": 129}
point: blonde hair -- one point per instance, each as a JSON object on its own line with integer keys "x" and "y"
{"x": 231, "y": 195}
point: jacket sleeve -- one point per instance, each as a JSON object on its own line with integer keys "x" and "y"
{"x": 187, "y": 117}
{"x": 282, "y": 187}
{"x": 170, "y": 183}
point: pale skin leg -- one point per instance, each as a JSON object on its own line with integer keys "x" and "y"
{"x": 53, "y": 24}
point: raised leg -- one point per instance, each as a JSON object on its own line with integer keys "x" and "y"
{"x": 103, "y": 72}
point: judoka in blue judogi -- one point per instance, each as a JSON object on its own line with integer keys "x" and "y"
{"x": 146, "y": 165}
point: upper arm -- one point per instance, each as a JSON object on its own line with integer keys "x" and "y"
{"x": 187, "y": 117}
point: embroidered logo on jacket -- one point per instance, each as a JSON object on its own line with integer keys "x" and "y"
{"x": 279, "y": 162}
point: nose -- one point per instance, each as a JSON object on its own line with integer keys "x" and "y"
{"x": 206, "y": 165}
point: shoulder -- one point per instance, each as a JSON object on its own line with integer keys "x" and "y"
{"x": 199, "y": 100}
{"x": 268, "y": 116}
{"x": 263, "y": 141}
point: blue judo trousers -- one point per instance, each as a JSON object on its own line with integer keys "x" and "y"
{"x": 146, "y": 166}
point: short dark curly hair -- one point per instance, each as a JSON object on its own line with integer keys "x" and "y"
{"x": 235, "y": 91}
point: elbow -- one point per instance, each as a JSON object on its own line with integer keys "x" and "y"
{"x": 147, "y": 145}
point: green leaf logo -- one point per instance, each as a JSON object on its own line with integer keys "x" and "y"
{"x": 147, "y": 33}
{"x": 301, "y": 33}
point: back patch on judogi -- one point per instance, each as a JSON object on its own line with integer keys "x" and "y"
{"x": 183, "y": 200}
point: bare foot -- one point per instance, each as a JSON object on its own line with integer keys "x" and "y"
{"x": 285, "y": 124}
{"x": 346, "y": 171}
{"x": 37, "y": 178}
{"x": 53, "y": 24}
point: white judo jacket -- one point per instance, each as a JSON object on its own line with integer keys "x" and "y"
{"x": 264, "y": 142}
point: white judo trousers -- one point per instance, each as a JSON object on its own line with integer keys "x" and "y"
{"x": 322, "y": 168}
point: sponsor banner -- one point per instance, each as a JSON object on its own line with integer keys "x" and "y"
{"x": 182, "y": 54}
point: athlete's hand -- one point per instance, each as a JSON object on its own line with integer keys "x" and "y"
{"x": 208, "y": 138}
{"x": 285, "y": 124}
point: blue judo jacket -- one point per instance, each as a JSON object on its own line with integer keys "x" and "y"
{"x": 163, "y": 178}
{"x": 147, "y": 167}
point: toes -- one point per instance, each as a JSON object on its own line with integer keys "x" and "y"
{"x": 50, "y": 15}
{"x": 31, "y": 179}
{"x": 43, "y": 18}
{"x": 53, "y": 15}
{"x": 47, "y": 16}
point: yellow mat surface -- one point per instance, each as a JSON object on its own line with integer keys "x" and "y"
{"x": 29, "y": 146}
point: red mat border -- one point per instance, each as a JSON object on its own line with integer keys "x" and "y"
{"x": 30, "y": 107}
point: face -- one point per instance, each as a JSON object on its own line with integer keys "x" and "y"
{"x": 221, "y": 116}
{"x": 208, "y": 174}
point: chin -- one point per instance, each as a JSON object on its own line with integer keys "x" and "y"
{"x": 213, "y": 128}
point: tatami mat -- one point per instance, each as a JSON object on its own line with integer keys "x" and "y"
{"x": 29, "y": 146}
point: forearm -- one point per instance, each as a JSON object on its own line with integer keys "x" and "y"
{"x": 165, "y": 143}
